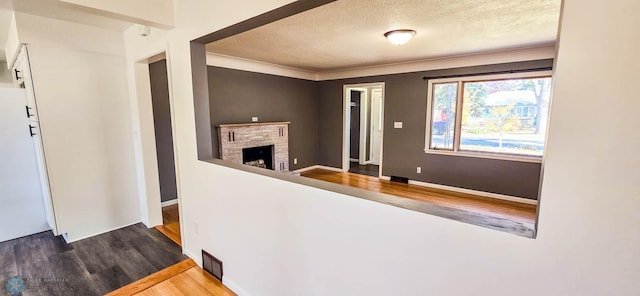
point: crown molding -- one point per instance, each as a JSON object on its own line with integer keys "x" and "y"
{"x": 224, "y": 61}
{"x": 545, "y": 51}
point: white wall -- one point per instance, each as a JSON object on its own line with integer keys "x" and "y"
{"x": 12, "y": 45}
{"x": 80, "y": 84}
{"x": 62, "y": 34}
{"x": 142, "y": 117}
{"x": 21, "y": 204}
{"x": 280, "y": 238}
{"x": 148, "y": 12}
{"x": 6, "y": 78}
{"x": 138, "y": 50}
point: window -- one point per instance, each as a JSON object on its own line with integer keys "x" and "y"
{"x": 445, "y": 99}
{"x": 500, "y": 116}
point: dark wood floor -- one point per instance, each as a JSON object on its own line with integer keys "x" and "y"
{"x": 93, "y": 266}
{"x": 364, "y": 169}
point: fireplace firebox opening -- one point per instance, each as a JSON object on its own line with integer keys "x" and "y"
{"x": 261, "y": 156}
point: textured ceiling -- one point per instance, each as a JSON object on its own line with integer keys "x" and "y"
{"x": 349, "y": 33}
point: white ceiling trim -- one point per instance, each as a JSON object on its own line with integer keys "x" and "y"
{"x": 230, "y": 62}
{"x": 495, "y": 57}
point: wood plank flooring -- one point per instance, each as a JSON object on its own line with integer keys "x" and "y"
{"x": 513, "y": 211}
{"x": 171, "y": 224}
{"x": 93, "y": 266}
{"x": 184, "y": 278}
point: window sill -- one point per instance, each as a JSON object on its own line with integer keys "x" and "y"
{"x": 486, "y": 155}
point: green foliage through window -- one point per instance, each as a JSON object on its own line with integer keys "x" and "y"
{"x": 507, "y": 116}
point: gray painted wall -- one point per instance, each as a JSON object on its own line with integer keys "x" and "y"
{"x": 201, "y": 101}
{"x": 163, "y": 132}
{"x": 236, "y": 96}
{"x": 403, "y": 149}
{"x": 315, "y": 112}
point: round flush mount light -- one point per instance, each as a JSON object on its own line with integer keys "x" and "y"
{"x": 399, "y": 37}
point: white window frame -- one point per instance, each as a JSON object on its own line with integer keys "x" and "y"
{"x": 458, "y": 121}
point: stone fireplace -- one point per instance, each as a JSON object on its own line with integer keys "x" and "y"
{"x": 264, "y": 144}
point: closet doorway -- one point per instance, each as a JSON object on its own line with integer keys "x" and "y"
{"x": 164, "y": 144}
{"x": 364, "y": 112}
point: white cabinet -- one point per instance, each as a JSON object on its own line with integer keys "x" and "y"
{"x": 44, "y": 177}
{"x": 16, "y": 71}
{"x": 23, "y": 78}
{"x": 21, "y": 73}
{"x": 22, "y": 211}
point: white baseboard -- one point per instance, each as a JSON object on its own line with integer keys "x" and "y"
{"x": 169, "y": 202}
{"x": 328, "y": 168}
{"x": 234, "y": 287}
{"x": 298, "y": 171}
{"x": 195, "y": 259}
{"x": 354, "y": 160}
{"x": 471, "y": 191}
{"x": 66, "y": 236}
{"x": 313, "y": 167}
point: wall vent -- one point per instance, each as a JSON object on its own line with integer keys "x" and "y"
{"x": 400, "y": 179}
{"x": 212, "y": 265}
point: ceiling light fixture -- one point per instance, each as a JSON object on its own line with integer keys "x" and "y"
{"x": 399, "y": 37}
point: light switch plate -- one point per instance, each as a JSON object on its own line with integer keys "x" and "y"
{"x": 397, "y": 124}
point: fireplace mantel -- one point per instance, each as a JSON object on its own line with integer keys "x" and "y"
{"x": 237, "y": 136}
{"x": 253, "y": 124}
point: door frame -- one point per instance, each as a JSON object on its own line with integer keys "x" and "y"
{"x": 346, "y": 121}
{"x": 381, "y": 127}
{"x": 147, "y": 162}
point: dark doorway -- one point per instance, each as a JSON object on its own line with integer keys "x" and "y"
{"x": 161, "y": 105}
{"x": 354, "y": 146}
{"x": 163, "y": 132}
{"x": 364, "y": 169}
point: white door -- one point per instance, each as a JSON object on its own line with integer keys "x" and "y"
{"x": 27, "y": 84}
{"x": 43, "y": 177}
{"x": 22, "y": 210}
{"x": 376, "y": 125}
